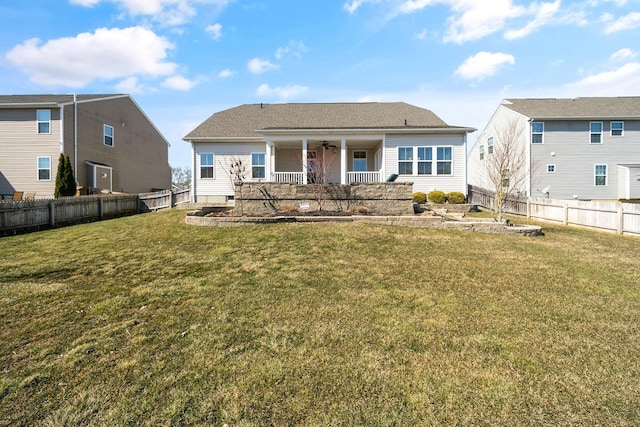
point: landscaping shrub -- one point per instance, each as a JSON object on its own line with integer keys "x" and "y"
{"x": 438, "y": 197}
{"x": 359, "y": 209}
{"x": 456, "y": 198}
{"x": 419, "y": 197}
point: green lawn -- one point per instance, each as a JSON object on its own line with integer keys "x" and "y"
{"x": 148, "y": 321}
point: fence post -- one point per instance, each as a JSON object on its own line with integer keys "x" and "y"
{"x": 620, "y": 219}
{"x": 52, "y": 212}
{"x": 528, "y": 207}
{"x": 565, "y": 206}
{"x": 100, "y": 207}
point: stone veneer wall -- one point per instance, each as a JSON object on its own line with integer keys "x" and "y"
{"x": 389, "y": 198}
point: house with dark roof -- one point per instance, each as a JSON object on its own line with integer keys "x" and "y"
{"x": 580, "y": 148}
{"x": 342, "y": 143}
{"x": 111, "y": 143}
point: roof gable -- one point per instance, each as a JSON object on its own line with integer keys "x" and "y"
{"x": 249, "y": 120}
{"x": 29, "y": 100}
{"x": 587, "y": 108}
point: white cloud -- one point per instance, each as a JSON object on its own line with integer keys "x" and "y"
{"x": 623, "y": 80}
{"x": 543, "y": 14}
{"x": 258, "y": 66}
{"x": 106, "y": 54}
{"x": 294, "y": 47}
{"x": 178, "y": 83}
{"x": 129, "y": 85}
{"x": 352, "y": 5}
{"x": 226, "y": 73}
{"x": 169, "y": 12}
{"x": 281, "y": 92}
{"x": 475, "y": 19}
{"x": 622, "y": 55}
{"x": 215, "y": 31}
{"x": 483, "y": 64}
{"x": 627, "y": 22}
{"x": 410, "y": 6}
{"x": 422, "y": 35}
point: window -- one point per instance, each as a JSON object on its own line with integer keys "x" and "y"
{"x": 44, "y": 168}
{"x": 506, "y": 177}
{"x": 43, "y": 117}
{"x": 359, "y": 161}
{"x": 595, "y": 132}
{"x": 257, "y": 165}
{"x": 108, "y": 135}
{"x": 482, "y": 152}
{"x": 425, "y": 160}
{"x": 617, "y": 128}
{"x": 444, "y": 161}
{"x": 206, "y": 165}
{"x": 601, "y": 175}
{"x": 551, "y": 168}
{"x": 490, "y": 145}
{"x": 405, "y": 160}
{"x": 537, "y": 132}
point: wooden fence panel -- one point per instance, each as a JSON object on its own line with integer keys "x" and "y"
{"x": 155, "y": 201}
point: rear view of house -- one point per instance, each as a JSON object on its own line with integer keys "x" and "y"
{"x": 339, "y": 143}
{"x": 111, "y": 143}
{"x": 580, "y": 148}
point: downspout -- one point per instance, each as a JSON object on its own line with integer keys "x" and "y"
{"x": 193, "y": 172}
{"x": 75, "y": 138}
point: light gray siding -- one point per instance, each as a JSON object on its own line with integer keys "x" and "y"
{"x": 567, "y": 146}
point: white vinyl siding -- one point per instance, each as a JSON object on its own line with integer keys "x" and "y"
{"x": 224, "y": 153}
{"x": 423, "y": 182}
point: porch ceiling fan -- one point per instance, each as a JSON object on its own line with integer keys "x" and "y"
{"x": 326, "y": 145}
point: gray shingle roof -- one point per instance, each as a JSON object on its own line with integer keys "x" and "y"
{"x": 243, "y": 121}
{"x": 604, "y": 107}
{"x": 48, "y": 99}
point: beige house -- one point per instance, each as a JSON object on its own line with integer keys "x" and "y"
{"x": 340, "y": 143}
{"x": 111, "y": 143}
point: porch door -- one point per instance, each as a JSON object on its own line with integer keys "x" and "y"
{"x": 312, "y": 167}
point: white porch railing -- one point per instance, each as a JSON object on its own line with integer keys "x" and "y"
{"x": 363, "y": 177}
{"x": 294, "y": 177}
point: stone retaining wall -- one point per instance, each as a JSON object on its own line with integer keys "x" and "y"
{"x": 389, "y": 198}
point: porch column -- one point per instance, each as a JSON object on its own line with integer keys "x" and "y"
{"x": 383, "y": 175}
{"x": 267, "y": 161}
{"x": 343, "y": 161}
{"x": 304, "y": 161}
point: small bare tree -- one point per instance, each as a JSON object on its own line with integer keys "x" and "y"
{"x": 506, "y": 168}
{"x": 237, "y": 174}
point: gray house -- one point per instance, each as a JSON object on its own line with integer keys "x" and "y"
{"x": 111, "y": 143}
{"x": 581, "y": 148}
{"x": 340, "y": 143}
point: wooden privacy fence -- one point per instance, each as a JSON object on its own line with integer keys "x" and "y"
{"x": 16, "y": 216}
{"x": 614, "y": 216}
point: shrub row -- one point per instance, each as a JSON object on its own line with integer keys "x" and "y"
{"x": 439, "y": 197}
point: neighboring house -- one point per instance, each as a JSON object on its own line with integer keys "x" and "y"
{"x": 339, "y": 143}
{"x": 581, "y": 148}
{"x": 111, "y": 143}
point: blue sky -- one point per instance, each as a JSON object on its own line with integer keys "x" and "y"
{"x": 183, "y": 60}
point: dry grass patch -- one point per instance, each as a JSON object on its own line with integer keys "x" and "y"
{"x": 145, "y": 320}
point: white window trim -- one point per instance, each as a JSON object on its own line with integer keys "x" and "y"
{"x": 38, "y": 122}
{"x": 611, "y": 129}
{"x": 606, "y": 175}
{"x": 596, "y": 133}
{"x": 112, "y": 136}
{"x": 38, "y": 169}
{"x": 490, "y": 145}
{"x": 263, "y": 166}
{"x": 212, "y": 166}
{"x": 424, "y": 161}
{"x": 537, "y": 133}
{"x": 436, "y": 160}
{"x": 554, "y": 168}
{"x": 412, "y": 161}
{"x": 481, "y": 152}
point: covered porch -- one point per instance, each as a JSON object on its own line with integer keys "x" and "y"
{"x": 325, "y": 160}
